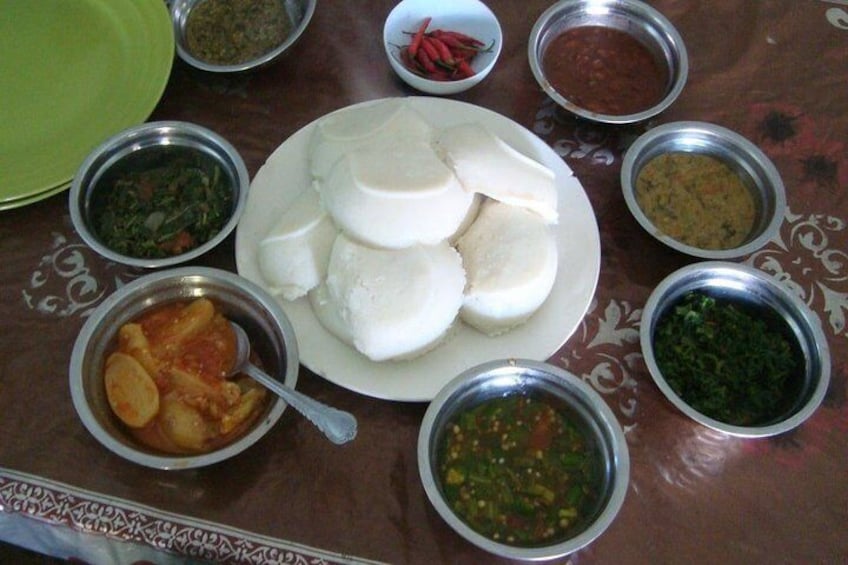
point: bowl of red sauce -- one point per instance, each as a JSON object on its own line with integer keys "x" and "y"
{"x": 610, "y": 61}
{"x": 150, "y": 373}
{"x": 523, "y": 459}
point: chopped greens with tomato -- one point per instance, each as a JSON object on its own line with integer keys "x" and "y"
{"x": 519, "y": 471}
{"x": 725, "y": 362}
{"x": 162, "y": 202}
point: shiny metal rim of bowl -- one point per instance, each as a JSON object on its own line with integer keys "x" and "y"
{"x": 493, "y": 379}
{"x": 730, "y": 147}
{"x": 746, "y": 283}
{"x": 635, "y": 17}
{"x": 272, "y": 336}
{"x": 299, "y": 12}
{"x": 145, "y": 136}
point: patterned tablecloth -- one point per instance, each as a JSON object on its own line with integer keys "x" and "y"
{"x": 775, "y": 71}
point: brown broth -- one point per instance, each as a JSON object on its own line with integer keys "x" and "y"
{"x": 604, "y": 70}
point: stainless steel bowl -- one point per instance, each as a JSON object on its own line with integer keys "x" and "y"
{"x": 126, "y": 144}
{"x": 641, "y": 21}
{"x": 499, "y": 378}
{"x": 751, "y": 287}
{"x": 299, "y": 13}
{"x": 745, "y": 158}
{"x": 271, "y": 334}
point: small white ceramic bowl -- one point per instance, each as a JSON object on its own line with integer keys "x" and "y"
{"x": 470, "y": 17}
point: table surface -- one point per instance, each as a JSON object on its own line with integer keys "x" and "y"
{"x": 775, "y": 71}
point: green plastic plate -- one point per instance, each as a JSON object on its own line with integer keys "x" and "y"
{"x": 72, "y": 74}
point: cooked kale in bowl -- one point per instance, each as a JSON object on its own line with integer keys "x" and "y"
{"x": 734, "y": 350}
{"x": 159, "y": 194}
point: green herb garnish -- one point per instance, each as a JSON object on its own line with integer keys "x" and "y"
{"x": 162, "y": 204}
{"x": 724, "y": 362}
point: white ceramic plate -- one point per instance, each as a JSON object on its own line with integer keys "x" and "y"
{"x": 285, "y": 174}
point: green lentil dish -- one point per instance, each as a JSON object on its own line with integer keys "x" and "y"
{"x": 725, "y": 362}
{"x": 696, "y": 199}
{"x": 161, "y": 202}
{"x": 231, "y": 32}
{"x": 520, "y": 471}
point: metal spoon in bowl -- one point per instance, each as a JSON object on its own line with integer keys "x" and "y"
{"x": 337, "y": 425}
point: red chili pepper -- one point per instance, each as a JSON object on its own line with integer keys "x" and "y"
{"x": 444, "y": 52}
{"x": 425, "y": 61}
{"x": 465, "y": 69}
{"x": 448, "y": 40}
{"x": 408, "y": 61}
{"x": 466, "y": 39}
{"x": 415, "y": 44}
{"x": 428, "y": 47}
{"x": 440, "y": 54}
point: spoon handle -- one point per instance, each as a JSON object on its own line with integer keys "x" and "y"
{"x": 339, "y": 426}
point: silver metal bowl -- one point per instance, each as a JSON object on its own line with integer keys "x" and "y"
{"x": 503, "y": 377}
{"x": 271, "y": 335}
{"x": 752, "y": 165}
{"x": 299, "y": 13}
{"x": 779, "y": 307}
{"x": 128, "y": 144}
{"x": 641, "y": 21}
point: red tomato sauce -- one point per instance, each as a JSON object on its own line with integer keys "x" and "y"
{"x": 604, "y": 70}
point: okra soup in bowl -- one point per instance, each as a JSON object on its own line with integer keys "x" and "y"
{"x": 734, "y": 350}
{"x": 523, "y": 459}
{"x": 152, "y": 371}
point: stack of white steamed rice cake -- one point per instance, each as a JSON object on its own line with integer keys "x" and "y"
{"x": 408, "y": 227}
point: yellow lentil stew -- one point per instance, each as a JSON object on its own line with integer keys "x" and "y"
{"x": 696, "y": 199}
{"x": 520, "y": 471}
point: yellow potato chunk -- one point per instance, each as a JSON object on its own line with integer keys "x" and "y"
{"x": 135, "y": 343}
{"x": 241, "y": 412}
{"x": 131, "y": 392}
{"x": 183, "y": 424}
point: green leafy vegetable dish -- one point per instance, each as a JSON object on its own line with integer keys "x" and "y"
{"x": 161, "y": 201}
{"x": 727, "y": 360}
{"x": 519, "y": 470}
